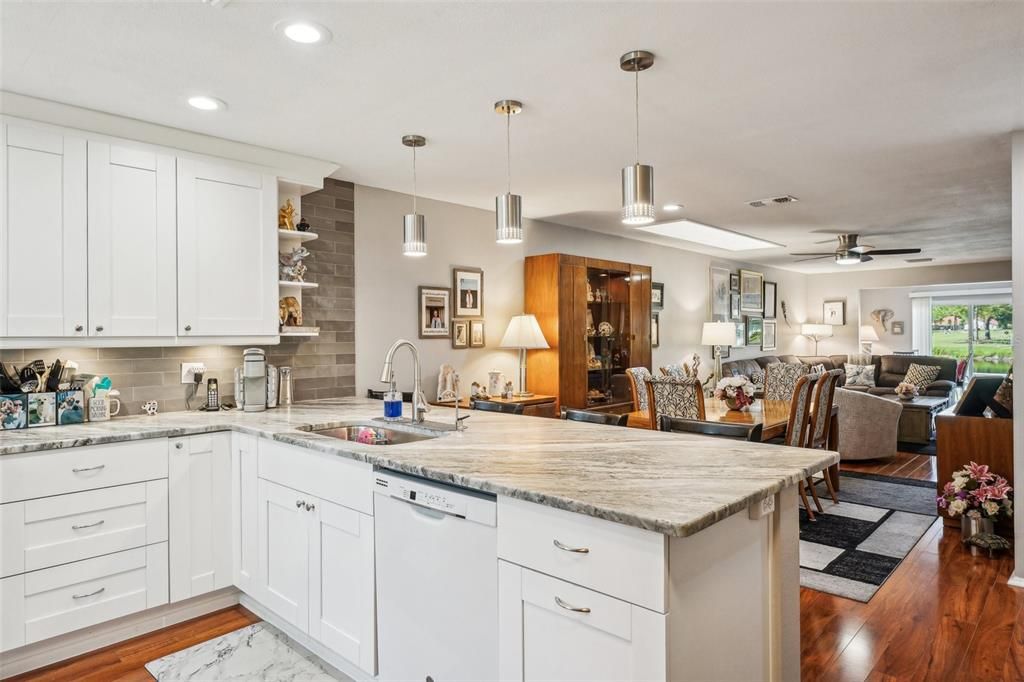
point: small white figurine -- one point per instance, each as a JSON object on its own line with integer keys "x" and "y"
{"x": 151, "y": 407}
{"x": 446, "y": 384}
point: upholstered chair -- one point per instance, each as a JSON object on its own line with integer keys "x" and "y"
{"x": 868, "y": 425}
{"x": 674, "y": 370}
{"x": 821, "y": 425}
{"x": 780, "y": 379}
{"x": 638, "y": 377}
{"x": 667, "y": 396}
{"x": 796, "y": 429}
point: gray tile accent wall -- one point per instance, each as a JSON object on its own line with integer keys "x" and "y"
{"x": 323, "y": 366}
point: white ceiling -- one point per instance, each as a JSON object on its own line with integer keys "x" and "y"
{"x": 881, "y": 118}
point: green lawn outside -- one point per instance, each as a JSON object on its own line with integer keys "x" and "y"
{"x": 989, "y": 356}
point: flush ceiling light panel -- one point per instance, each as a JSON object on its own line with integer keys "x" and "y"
{"x": 206, "y": 103}
{"x": 773, "y": 201}
{"x": 304, "y": 32}
{"x": 709, "y": 235}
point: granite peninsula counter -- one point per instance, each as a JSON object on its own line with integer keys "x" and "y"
{"x": 675, "y": 484}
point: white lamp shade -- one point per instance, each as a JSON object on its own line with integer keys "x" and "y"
{"x": 718, "y": 334}
{"x": 868, "y": 333}
{"x": 819, "y": 330}
{"x": 524, "y": 332}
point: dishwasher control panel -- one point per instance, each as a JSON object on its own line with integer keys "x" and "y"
{"x": 437, "y": 496}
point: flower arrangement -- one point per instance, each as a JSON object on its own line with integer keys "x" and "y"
{"x": 736, "y": 392}
{"x": 977, "y": 493}
{"x": 907, "y": 391}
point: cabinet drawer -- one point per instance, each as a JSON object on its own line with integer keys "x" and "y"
{"x": 622, "y": 561}
{"x": 56, "y": 530}
{"x": 54, "y": 472}
{"x": 329, "y": 477}
{"x": 50, "y": 602}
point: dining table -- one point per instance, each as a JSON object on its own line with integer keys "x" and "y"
{"x": 773, "y": 415}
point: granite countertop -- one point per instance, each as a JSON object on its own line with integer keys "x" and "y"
{"x": 675, "y": 484}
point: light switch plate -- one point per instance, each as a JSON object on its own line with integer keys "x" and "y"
{"x": 189, "y": 369}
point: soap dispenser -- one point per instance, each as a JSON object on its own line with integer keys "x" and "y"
{"x": 392, "y": 403}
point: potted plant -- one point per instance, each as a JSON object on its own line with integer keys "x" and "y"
{"x": 906, "y": 391}
{"x": 736, "y": 392}
{"x": 978, "y": 497}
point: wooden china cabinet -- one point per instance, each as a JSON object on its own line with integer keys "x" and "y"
{"x": 596, "y": 316}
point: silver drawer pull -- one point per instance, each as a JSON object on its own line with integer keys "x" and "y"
{"x": 83, "y": 469}
{"x": 87, "y": 525}
{"x": 570, "y": 607}
{"x": 567, "y": 548}
{"x": 91, "y": 594}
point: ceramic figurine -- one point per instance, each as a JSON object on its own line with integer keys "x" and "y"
{"x": 446, "y": 383}
{"x": 150, "y": 407}
{"x": 286, "y": 216}
{"x": 508, "y": 392}
{"x": 303, "y": 226}
{"x": 289, "y": 312}
{"x": 292, "y": 267}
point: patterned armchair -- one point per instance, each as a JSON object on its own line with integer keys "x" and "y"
{"x": 638, "y": 377}
{"x": 671, "y": 397}
{"x": 780, "y": 380}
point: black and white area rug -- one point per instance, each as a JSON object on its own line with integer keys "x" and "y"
{"x": 854, "y": 546}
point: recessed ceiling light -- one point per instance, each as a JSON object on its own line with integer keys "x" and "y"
{"x": 304, "y": 32}
{"x": 206, "y": 103}
{"x": 708, "y": 235}
{"x": 672, "y": 207}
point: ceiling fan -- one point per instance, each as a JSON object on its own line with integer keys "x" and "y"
{"x": 849, "y": 252}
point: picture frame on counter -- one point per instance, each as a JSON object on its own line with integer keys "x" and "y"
{"x": 70, "y": 407}
{"x": 435, "y": 312}
{"x": 771, "y": 298}
{"x": 834, "y": 312}
{"x": 460, "y": 334}
{"x": 13, "y": 411}
{"x": 476, "y": 334}
{"x": 657, "y": 295}
{"x": 42, "y": 409}
{"x": 751, "y": 292}
{"x": 755, "y": 330}
{"x": 769, "y": 335}
{"x": 468, "y": 287}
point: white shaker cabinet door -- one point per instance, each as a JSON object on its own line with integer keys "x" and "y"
{"x": 132, "y": 244}
{"x": 227, "y": 250}
{"x": 283, "y": 524}
{"x": 244, "y": 514}
{"x": 199, "y": 490}
{"x": 549, "y": 629}
{"x": 42, "y": 233}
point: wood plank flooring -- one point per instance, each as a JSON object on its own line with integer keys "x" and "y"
{"x": 944, "y": 615}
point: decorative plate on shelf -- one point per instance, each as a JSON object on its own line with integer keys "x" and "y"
{"x": 605, "y": 329}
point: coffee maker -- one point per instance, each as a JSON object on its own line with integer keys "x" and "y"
{"x": 254, "y": 378}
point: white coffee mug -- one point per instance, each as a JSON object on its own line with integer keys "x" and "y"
{"x": 102, "y": 409}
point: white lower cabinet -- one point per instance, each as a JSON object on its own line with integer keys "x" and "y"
{"x": 199, "y": 472}
{"x": 316, "y": 570}
{"x": 244, "y": 513}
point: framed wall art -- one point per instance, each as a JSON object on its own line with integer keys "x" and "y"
{"x": 460, "y": 333}
{"x": 755, "y": 331}
{"x": 476, "y": 334}
{"x": 741, "y": 335}
{"x": 734, "y": 307}
{"x": 655, "y": 331}
{"x": 657, "y": 295}
{"x": 719, "y": 298}
{"x": 770, "y": 300}
{"x": 897, "y": 328}
{"x": 435, "y": 312}
{"x": 834, "y": 312}
{"x": 769, "y": 334}
{"x": 468, "y": 286}
{"x": 751, "y": 292}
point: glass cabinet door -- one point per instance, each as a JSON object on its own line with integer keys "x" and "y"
{"x": 607, "y": 331}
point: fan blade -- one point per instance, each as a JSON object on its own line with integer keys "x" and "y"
{"x": 804, "y": 260}
{"x": 865, "y": 258}
{"x": 830, "y": 253}
{"x": 861, "y": 248}
{"x": 894, "y": 252}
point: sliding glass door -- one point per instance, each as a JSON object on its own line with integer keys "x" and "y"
{"x": 978, "y": 331}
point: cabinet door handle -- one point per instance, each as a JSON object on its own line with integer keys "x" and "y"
{"x": 569, "y": 607}
{"x": 99, "y": 327}
{"x": 91, "y": 594}
{"x": 80, "y": 470}
{"x": 179, "y": 445}
{"x": 87, "y": 525}
{"x": 567, "y": 548}
{"x": 310, "y": 507}
{"x": 299, "y": 504}
{"x": 79, "y": 327}
{"x": 188, "y": 327}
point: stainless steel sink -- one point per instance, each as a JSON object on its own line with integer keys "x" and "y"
{"x": 372, "y": 434}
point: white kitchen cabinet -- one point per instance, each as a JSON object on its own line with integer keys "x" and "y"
{"x": 550, "y": 629}
{"x": 132, "y": 249}
{"x": 199, "y": 473}
{"x": 43, "y": 236}
{"x": 244, "y": 514}
{"x": 227, "y": 250}
{"x": 284, "y": 552}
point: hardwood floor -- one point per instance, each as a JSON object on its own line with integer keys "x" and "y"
{"x": 125, "y": 662}
{"x": 943, "y": 615}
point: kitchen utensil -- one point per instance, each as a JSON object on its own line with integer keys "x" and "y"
{"x": 54, "y": 375}
{"x": 30, "y": 386}
{"x": 9, "y": 379}
{"x": 272, "y": 377}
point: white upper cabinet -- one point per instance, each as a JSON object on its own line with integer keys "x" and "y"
{"x": 42, "y": 233}
{"x": 132, "y": 262}
{"x": 227, "y": 250}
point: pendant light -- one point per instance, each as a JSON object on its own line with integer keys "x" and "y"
{"x": 638, "y": 179}
{"x": 508, "y": 207}
{"x": 414, "y": 230}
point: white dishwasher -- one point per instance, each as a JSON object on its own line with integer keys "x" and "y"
{"x": 437, "y": 581}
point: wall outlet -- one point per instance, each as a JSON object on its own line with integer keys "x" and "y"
{"x": 189, "y": 370}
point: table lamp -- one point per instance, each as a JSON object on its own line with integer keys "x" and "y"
{"x": 816, "y": 332}
{"x": 523, "y": 334}
{"x": 716, "y": 335}
{"x": 867, "y": 336}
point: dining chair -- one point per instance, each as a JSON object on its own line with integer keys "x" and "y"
{"x": 796, "y": 429}
{"x": 638, "y": 377}
{"x": 821, "y": 426}
{"x": 780, "y": 379}
{"x": 747, "y": 432}
{"x": 674, "y": 370}
{"x": 595, "y": 417}
{"x": 492, "y": 406}
{"x": 674, "y": 398}
{"x": 379, "y": 395}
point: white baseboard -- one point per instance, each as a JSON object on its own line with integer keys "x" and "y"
{"x": 32, "y": 656}
{"x": 332, "y": 659}
{"x": 1015, "y": 581}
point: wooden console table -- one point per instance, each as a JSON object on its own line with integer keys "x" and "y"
{"x": 962, "y": 440}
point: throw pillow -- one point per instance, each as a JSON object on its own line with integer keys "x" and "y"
{"x": 860, "y": 375}
{"x": 1003, "y": 399}
{"x": 817, "y": 369}
{"x": 757, "y": 378}
{"x": 921, "y": 375}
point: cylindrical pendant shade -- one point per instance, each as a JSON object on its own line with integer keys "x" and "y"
{"x": 414, "y": 235}
{"x": 508, "y": 213}
{"x": 638, "y": 195}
